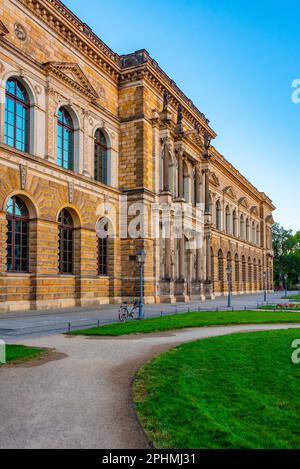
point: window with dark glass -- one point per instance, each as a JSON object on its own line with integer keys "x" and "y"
{"x": 101, "y": 157}
{"x": 16, "y": 120}
{"x": 65, "y": 140}
{"x": 66, "y": 242}
{"x": 17, "y": 235}
{"x": 103, "y": 254}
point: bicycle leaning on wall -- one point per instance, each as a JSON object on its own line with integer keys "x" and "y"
{"x": 128, "y": 311}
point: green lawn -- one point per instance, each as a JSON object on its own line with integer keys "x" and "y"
{"x": 233, "y": 392}
{"x": 195, "y": 319}
{"x": 292, "y": 297}
{"x": 16, "y": 353}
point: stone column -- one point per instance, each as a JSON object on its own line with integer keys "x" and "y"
{"x": 198, "y": 186}
{"x": 168, "y": 258}
{"x": 166, "y": 168}
{"x": 198, "y": 264}
{"x": 86, "y": 154}
{"x": 181, "y": 258}
{"x": 208, "y": 258}
{"x": 207, "y": 209}
{"x": 180, "y": 174}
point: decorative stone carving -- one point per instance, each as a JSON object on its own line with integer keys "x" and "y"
{"x": 72, "y": 74}
{"x": 166, "y": 101}
{"x": 207, "y": 143}
{"x": 38, "y": 89}
{"x": 2, "y": 68}
{"x": 101, "y": 93}
{"x": 20, "y": 32}
{"x": 23, "y": 176}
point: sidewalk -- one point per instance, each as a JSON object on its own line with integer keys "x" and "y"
{"x": 41, "y": 323}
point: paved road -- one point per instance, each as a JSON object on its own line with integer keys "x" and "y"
{"x": 83, "y": 398}
{"x": 42, "y": 323}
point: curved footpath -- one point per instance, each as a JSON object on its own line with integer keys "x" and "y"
{"x": 82, "y": 397}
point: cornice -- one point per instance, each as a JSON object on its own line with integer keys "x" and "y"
{"x": 145, "y": 68}
{"x": 66, "y": 25}
{"x": 124, "y": 68}
{"x": 224, "y": 165}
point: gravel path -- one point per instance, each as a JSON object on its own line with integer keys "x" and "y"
{"x": 81, "y": 398}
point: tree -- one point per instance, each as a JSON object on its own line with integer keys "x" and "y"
{"x": 286, "y": 248}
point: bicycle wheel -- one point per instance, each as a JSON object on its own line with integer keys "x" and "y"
{"x": 135, "y": 312}
{"x": 123, "y": 313}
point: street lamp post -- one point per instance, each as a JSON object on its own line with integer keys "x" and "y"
{"x": 299, "y": 284}
{"x": 286, "y": 284}
{"x": 265, "y": 286}
{"x": 141, "y": 258}
{"x": 229, "y": 286}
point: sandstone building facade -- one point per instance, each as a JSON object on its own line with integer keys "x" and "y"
{"x": 81, "y": 130}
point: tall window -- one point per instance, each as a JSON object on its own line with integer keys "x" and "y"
{"x": 255, "y": 273}
{"x": 250, "y": 272}
{"x": 247, "y": 230}
{"x": 242, "y": 227}
{"x": 101, "y": 157}
{"x": 66, "y": 242}
{"x": 244, "y": 270}
{"x": 17, "y": 235}
{"x": 65, "y": 139}
{"x": 218, "y": 215}
{"x": 235, "y": 223}
{"x": 257, "y": 234}
{"x": 103, "y": 253}
{"x": 237, "y": 269}
{"x": 253, "y": 232}
{"x": 186, "y": 183}
{"x": 16, "y": 123}
{"x": 220, "y": 266}
{"x": 227, "y": 220}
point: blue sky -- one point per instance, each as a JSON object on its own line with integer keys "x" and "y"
{"x": 236, "y": 59}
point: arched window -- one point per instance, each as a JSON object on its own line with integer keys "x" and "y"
{"x": 65, "y": 139}
{"x": 242, "y": 227}
{"x": 210, "y": 204}
{"x": 257, "y": 234}
{"x": 244, "y": 271}
{"x": 260, "y": 277}
{"x": 66, "y": 242}
{"x": 253, "y": 232}
{"x": 247, "y": 230}
{"x": 220, "y": 266}
{"x": 237, "y": 269}
{"x": 249, "y": 272}
{"x": 103, "y": 247}
{"x": 218, "y": 215}
{"x": 255, "y": 273}
{"x": 17, "y": 235}
{"x": 101, "y": 158}
{"x": 234, "y": 223}
{"x": 227, "y": 220}
{"x": 194, "y": 188}
{"x": 229, "y": 266}
{"x": 186, "y": 183}
{"x": 16, "y": 121}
